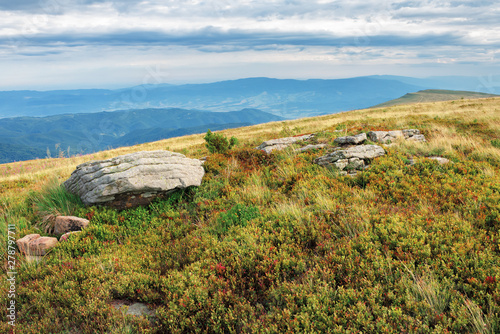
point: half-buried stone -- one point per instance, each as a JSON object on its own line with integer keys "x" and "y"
{"x": 134, "y": 179}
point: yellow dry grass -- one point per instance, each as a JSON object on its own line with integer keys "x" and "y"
{"x": 16, "y": 179}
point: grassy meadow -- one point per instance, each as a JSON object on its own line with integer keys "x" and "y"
{"x": 276, "y": 244}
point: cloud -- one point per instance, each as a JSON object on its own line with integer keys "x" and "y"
{"x": 234, "y": 40}
{"x": 307, "y": 33}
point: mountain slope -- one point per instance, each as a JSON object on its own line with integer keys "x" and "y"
{"x": 86, "y": 133}
{"x": 489, "y": 84}
{"x": 434, "y": 95}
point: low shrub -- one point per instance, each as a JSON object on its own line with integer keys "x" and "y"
{"x": 238, "y": 215}
{"x": 218, "y": 143}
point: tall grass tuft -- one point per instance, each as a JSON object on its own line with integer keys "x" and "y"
{"x": 52, "y": 201}
{"x": 482, "y": 325}
{"x": 428, "y": 289}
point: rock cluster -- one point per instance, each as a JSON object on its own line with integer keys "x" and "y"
{"x": 281, "y": 143}
{"x": 34, "y": 246}
{"x": 134, "y": 179}
{"x": 351, "y": 159}
{"x": 386, "y": 136}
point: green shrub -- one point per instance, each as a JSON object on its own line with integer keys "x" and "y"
{"x": 238, "y": 215}
{"x": 495, "y": 143}
{"x": 218, "y": 143}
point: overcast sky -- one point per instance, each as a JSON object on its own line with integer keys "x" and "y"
{"x": 107, "y": 44}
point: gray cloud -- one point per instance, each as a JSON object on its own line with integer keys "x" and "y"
{"x": 44, "y": 6}
{"x": 303, "y": 32}
{"x": 238, "y": 40}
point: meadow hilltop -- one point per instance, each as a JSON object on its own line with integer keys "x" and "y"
{"x": 276, "y": 243}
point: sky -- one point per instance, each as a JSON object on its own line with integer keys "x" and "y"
{"x": 69, "y": 44}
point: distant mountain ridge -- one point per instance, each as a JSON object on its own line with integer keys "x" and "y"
{"x": 287, "y": 98}
{"x": 434, "y": 95}
{"x": 24, "y": 138}
{"x": 282, "y": 97}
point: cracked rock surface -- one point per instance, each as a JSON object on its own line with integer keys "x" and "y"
{"x": 133, "y": 179}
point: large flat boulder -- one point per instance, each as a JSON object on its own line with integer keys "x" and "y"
{"x": 281, "y": 143}
{"x": 134, "y": 179}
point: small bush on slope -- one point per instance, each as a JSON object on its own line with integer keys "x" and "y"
{"x": 218, "y": 143}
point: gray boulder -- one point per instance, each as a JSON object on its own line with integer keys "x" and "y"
{"x": 353, "y": 158}
{"x": 386, "y": 136}
{"x": 133, "y": 179}
{"x": 353, "y": 140}
{"x": 281, "y": 143}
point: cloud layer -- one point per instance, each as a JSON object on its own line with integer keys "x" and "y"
{"x": 243, "y": 37}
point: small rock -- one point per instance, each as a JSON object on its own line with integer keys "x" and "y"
{"x": 311, "y": 147}
{"x": 281, "y": 143}
{"x": 417, "y": 138}
{"x": 413, "y": 134}
{"x": 24, "y": 242}
{"x": 353, "y": 140}
{"x": 35, "y": 245}
{"x": 356, "y": 163}
{"x": 135, "y": 309}
{"x": 341, "y": 164}
{"x": 410, "y": 133}
{"x": 139, "y": 309}
{"x": 440, "y": 160}
{"x": 66, "y": 224}
{"x": 65, "y": 236}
